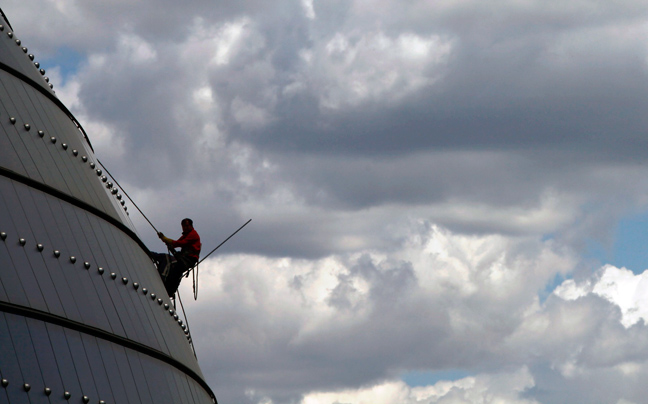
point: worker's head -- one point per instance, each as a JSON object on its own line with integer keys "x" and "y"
{"x": 187, "y": 225}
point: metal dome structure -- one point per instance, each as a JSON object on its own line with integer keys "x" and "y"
{"x": 84, "y": 317}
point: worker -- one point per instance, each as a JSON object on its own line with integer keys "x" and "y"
{"x": 173, "y": 266}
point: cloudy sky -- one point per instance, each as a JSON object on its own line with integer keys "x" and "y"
{"x": 449, "y": 199}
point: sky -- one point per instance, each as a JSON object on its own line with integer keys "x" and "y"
{"x": 449, "y": 199}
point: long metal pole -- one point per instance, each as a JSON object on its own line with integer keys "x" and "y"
{"x": 232, "y": 235}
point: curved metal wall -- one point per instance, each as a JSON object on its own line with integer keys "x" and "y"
{"x": 83, "y": 313}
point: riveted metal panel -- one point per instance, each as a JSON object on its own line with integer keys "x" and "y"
{"x": 37, "y": 237}
{"x": 22, "y": 343}
{"x": 116, "y": 381}
{"x": 18, "y": 159}
{"x": 46, "y": 359}
{"x": 81, "y": 364}
{"x": 9, "y": 363}
{"x": 97, "y": 367}
{"x": 12, "y": 55}
{"x": 17, "y": 229}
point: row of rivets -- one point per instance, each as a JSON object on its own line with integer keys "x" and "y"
{"x": 75, "y": 152}
{"x": 113, "y": 275}
{"x": 47, "y": 391}
{"x": 18, "y": 42}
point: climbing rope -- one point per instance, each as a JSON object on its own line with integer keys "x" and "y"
{"x": 128, "y": 196}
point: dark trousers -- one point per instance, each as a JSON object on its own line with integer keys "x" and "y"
{"x": 171, "y": 268}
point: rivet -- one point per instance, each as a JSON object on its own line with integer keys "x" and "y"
{"x": 102, "y": 402}
{"x": 84, "y": 158}
{"x": 46, "y": 79}
{"x": 48, "y": 391}
{"x": 24, "y": 49}
{"x": 39, "y": 247}
{"x": 22, "y": 241}
{"x": 160, "y": 302}
{"x": 31, "y": 56}
{"x": 18, "y": 42}
{"x": 10, "y": 34}
{"x": 136, "y": 285}
{"x": 114, "y": 191}
{"x": 27, "y": 127}
{"x": 53, "y": 139}
{"x": 85, "y": 399}
{"x": 51, "y": 85}
{"x": 86, "y": 265}
{"x": 73, "y": 259}
{"x": 75, "y": 152}
{"x": 123, "y": 203}
{"x": 113, "y": 275}
{"x": 180, "y": 321}
{"x": 37, "y": 64}
{"x": 171, "y": 311}
{"x": 175, "y": 316}
{"x": 2, "y": 29}
{"x": 41, "y": 133}
{"x": 144, "y": 290}
{"x": 67, "y": 395}
{"x": 92, "y": 165}
{"x": 42, "y": 71}
{"x": 125, "y": 280}
{"x": 57, "y": 253}
{"x": 100, "y": 270}
{"x": 184, "y": 327}
{"x": 119, "y": 197}
{"x": 4, "y": 382}
{"x": 166, "y": 306}
{"x": 12, "y": 120}
{"x": 64, "y": 146}
{"x": 26, "y": 386}
{"x": 3, "y": 236}
{"x": 104, "y": 178}
{"x": 99, "y": 172}
{"x": 109, "y": 185}
{"x": 152, "y": 296}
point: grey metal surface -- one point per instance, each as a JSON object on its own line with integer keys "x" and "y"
{"x": 67, "y": 327}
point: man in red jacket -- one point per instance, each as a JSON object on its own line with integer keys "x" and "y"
{"x": 171, "y": 268}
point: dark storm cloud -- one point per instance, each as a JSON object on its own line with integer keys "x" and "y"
{"x": 510, "y": 96}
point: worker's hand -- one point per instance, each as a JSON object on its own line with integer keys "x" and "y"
{"x": 161, "y": 235}
{"x": 166, "y": 240}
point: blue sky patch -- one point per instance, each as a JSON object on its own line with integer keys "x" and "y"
{"x": 67, "y": 59}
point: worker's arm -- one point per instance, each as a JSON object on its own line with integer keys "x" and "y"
{"x": 185, "y": 241}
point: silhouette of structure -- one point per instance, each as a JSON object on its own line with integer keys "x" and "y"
{"x": 84, "y": 317}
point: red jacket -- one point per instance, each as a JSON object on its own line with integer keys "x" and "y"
{"x": 190, "y": 243}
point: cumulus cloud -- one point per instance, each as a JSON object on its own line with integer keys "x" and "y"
{"x": 504, "y": 388}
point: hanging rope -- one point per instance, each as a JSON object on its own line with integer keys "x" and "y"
{"x": 195, "y": 283}
{"x": 195, "y": 273}
{"x": 186, "y": 322}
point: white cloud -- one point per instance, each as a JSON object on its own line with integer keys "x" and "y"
{"x": 617, "y": 285}
{"x": 481, "y": 389}
{"x": 352, "y": 68}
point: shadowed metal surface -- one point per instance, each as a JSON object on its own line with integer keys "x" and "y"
{"x": 83, "y": 313}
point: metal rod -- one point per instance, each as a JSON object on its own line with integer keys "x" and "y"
{"x": 128, "y": 196}
{"x": 232, "y": 235}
